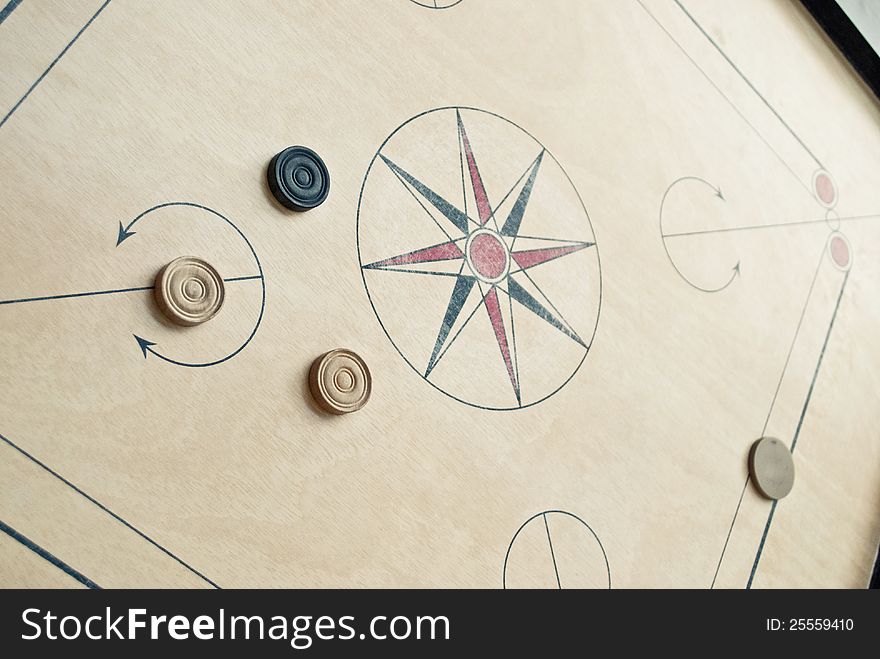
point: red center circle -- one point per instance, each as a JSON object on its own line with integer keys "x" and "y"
{"x": 825, "y": 189}
{"x": 488, "y": 256}
{"x": 840, "y": 251}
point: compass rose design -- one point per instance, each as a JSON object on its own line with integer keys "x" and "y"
{"x": 479, "y": 258}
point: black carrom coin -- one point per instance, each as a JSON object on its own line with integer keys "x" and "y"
{"x": 298, "y": 178}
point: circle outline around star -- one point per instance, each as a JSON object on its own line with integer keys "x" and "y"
{"x": 363, "y": 267}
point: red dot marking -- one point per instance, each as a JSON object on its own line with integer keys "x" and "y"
{"x": 825, "y": 189}
{"x": 488, "y": 256}
{"x": 840, "y": 251}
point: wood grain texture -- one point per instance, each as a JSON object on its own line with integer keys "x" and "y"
{"x": 147, "y": 454}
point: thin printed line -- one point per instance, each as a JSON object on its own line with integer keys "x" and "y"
{"x": 66, "y": 296}
{"x": 749, "y": 83}
{"x": 552, "y": 554}
{"x": 771, "y": 226}
{"x": 772, "y": 405}
{"x": 8, "y": 9}
{"x": 108, "y": 511}
{"x": 54, "y": 62}
{"x": 247, "y": 278}
{"x": 800, "y": 424}
{"x": 761, "y": 544}
{"x": 729, "y": 532}
{"x": 793, "y": 340}
{"x": 726, "y": 98}
{"x": 47, "y": 555}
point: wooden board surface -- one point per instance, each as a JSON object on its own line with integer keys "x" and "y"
{"x": 655, "y": 228}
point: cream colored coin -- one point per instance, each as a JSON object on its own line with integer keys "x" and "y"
{"x": 189, "y": 291}
{"x": 771, "y": 467}
{"x": 340, "y": 381}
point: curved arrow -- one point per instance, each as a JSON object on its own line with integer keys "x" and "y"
{"x": 735, "y": 270}
{"x": 146, "y": 346}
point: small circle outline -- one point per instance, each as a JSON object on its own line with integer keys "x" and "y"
{"x": 550, "y": 512}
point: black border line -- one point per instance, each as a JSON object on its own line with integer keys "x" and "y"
{"x": 4, "y": 14}
{"x": 848, "y": 39}
{"x": 49, "y": 556}
{"x": 108, "y": 511}
{"x": 54, "y": 62}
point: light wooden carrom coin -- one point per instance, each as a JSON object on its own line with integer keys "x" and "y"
{"x": 340, "y": 381}
{"x": 771, "y": 467}
{"x": 189, "y": 291}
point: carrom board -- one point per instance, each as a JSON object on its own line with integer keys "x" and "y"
{"x": 589, "y": 251}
